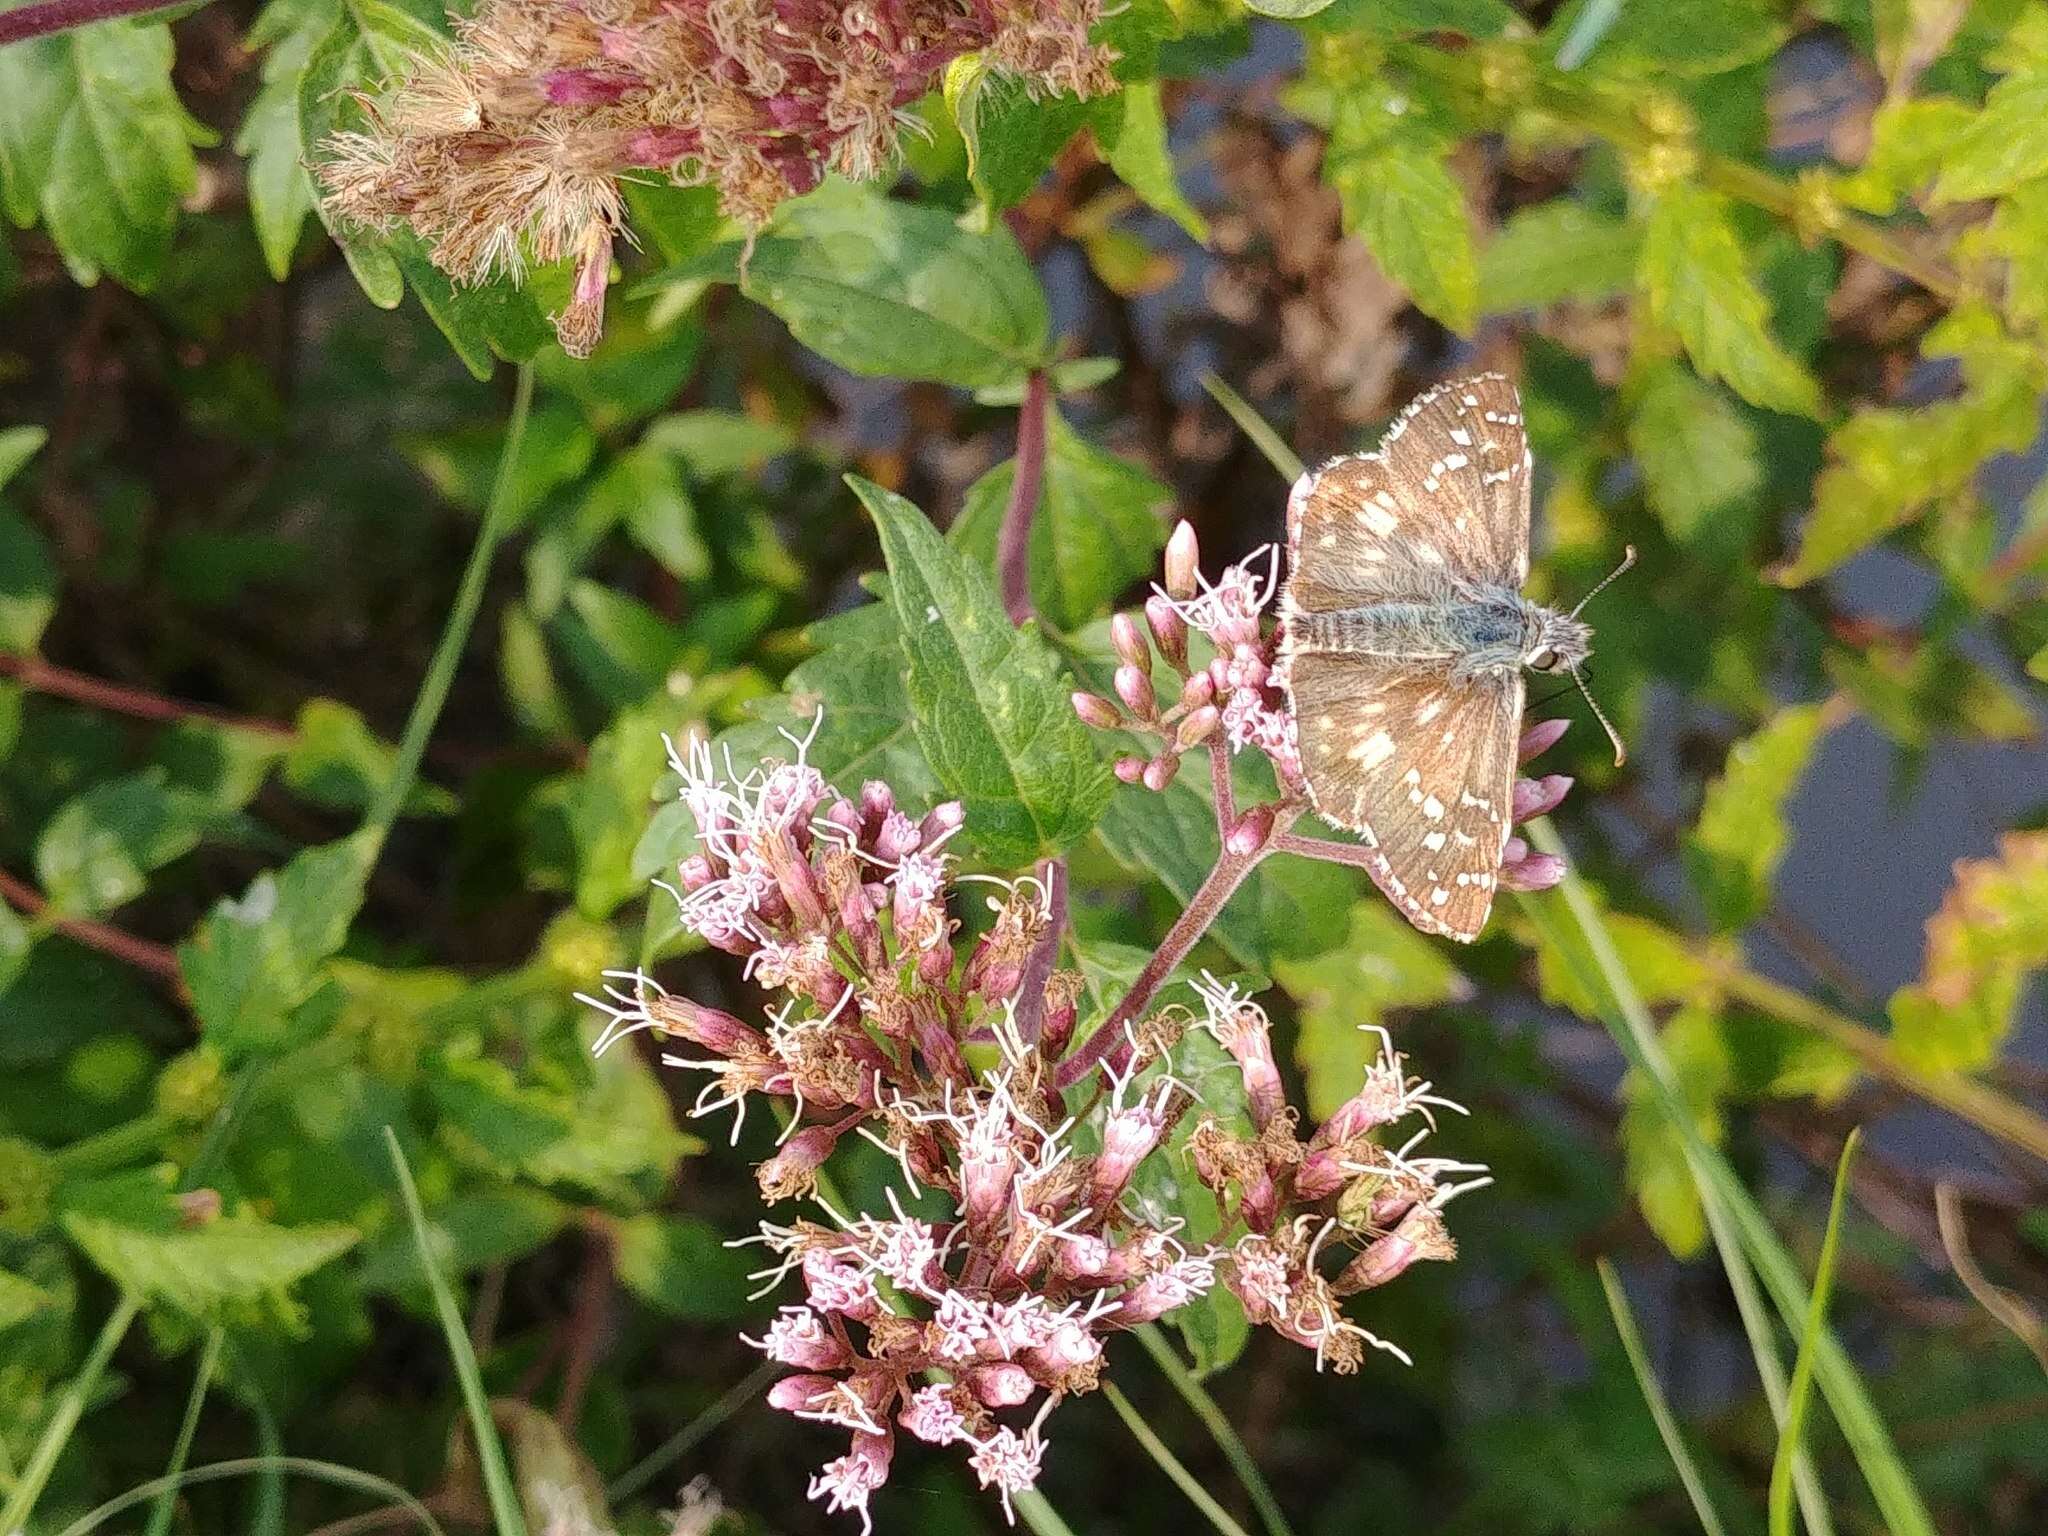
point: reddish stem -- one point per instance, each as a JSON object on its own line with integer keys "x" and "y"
{"x": 158, "y": 959}
{"x": 29, "y": 21}
{"x": 1013, "y": 542}
{"x": 39, "y": 676}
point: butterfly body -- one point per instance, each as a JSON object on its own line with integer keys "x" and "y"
{"x": 1404, "y": 635}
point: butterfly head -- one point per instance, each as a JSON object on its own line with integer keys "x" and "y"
{"x": 1556, "y": 642}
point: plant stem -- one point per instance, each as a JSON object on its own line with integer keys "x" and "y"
{"x": 686, "y": 1439}
{"x": 1206, "y": 1408}
{"x": 1660, "y": 1408}
{"x": 469, "y": 594}
{"x": 1983, "y": 1107}
{"x": 42, "y": 1461}
{"x": 157, "y": 959}
{"x": 181, "y": 1450}
{"x": 39, "y": 676}
{"x": 115, "y": 1147}
{"x": 29, "y": 21}
{"x": 1013, "y": 541}
{"x": 1169, "y": 1463}
{"x": 1217, "y": 886}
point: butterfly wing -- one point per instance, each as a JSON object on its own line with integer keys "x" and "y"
{"x": 1420, "y": 764}
{"x": 1446, "y": 494}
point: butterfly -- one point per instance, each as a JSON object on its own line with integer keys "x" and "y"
{"x": 1404, "y": 634}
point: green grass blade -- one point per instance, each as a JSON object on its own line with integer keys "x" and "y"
{"x": 1660, "y": 1408}
{"x": 1253, "y": 425}
{"x": 506, "y": 1515}
{"x": 686, "y": 1439}
{"x": 1792, "y": 1435}
{"x": 1726, "y": 1201}
{"x": 469, "y": 596}
{"x": 1183, "y": 1479}
{"x": 258, "y": 1466}
{"x": 42, "y": 1461}
{"x": 1239, "y": 1455}
{"x": 202, "y": 1381}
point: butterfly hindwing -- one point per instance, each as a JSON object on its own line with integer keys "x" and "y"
{"x": 1446, "y": 495}
{"x": 1420, "y": 764}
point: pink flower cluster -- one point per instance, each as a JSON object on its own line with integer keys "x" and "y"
{"x": 982, "y": 1296}
{"x": 508, "y": 146}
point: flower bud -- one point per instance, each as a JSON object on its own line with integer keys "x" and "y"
{"x": 1539, "y": 797}
{"x": 1130, "y": 770}
{"x": 1169, "y": 629}
{"x": 712, "y": 1028}
{"x": 1522, "y": 870}
{"x": 1196, "y": 728}
{"x": 1135, "y": 689}
{"x": 1159, "y": 773}
{"x": 1097, "y": 711}
{"x": 795, "y": 1394}
{"x": 1540, "y": 738}
{"x": 1420, "y": 1236}
{"x": 1199, "y": 689}
{"x": 1000, "y": 1386}
{"x": 897, "y": 837}
{"x": 1129, "y": 643}
{"x": 793, "y": 1171}
{"x": 1249, "y": 832}
{"x": 1183, "y": 558}
{"x": 942, "y": 822}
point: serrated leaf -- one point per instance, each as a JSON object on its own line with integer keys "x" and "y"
{"x": 1733, "y": 849}
{"x": 1909, "y": 140}
{"x": 92, "y": 135}
{"x": 1556, "y": 251}
{"x": 280, "y": 194}
{"x": 1381, "y": 965}
{"x": 1887, "y": 464}
{"x": 1697, "y": 452}
{"x": 1697, "y": 281}
{"x": 2007, "y": 143}
{"x": 335, "y": 760}
{"x": 1097, "y": 528}
{"x": 97, "y": 851}
{"x": 237, "y": 1259}
{"x": 609, "y": 807}
{"x": 2017, "y": 234}
{"x": 1136, "y": 147}
{"x": 1399, "y": 196}
{"x": 1286, "y": 906}
{"x": 991, "y": 709}
{"x": 252, "y": 961}
{"x": 1990, "y": 935}
{"x": 1012, "y": 133}
{"x": 886, "y": 288}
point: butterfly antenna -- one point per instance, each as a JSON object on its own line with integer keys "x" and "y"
{"x": 1628, "y": 558}
{"x": 1620, "y": 751}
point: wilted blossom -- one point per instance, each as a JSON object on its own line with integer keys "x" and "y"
{"x": 981, "y": 1296}
{"x": 1237, "y": 698}
{"x": 507, "y": 147}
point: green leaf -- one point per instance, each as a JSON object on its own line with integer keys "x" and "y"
{"x": 1556, "y": 251}
{"x": 1909, "y": 141}
{"x": 1012, "y": 133}
{"x": 1137, "y": 150}
{"x": 681, "y": 1267}
{"x": 1398, "y": 195}
{"x": 868, "y": 730}
{"x": 1701, "y": 37}
{"x": 712, "y": 443}
{"x": 992, "y": 712}
{"x": 92, "y": 135}
{"x": 528, "y": 675}
{"x": 642, "y": 490}
{"x": 611, "y": 802}
{"x": 1697, "y": 451}
{"x": 334, "y": 760}
{"x": 1733, "y": 850}
{"x": 1697, "y": 281}
{"x": 1990, "y": 935}
{"x": 891, "y": 289}
{"x": 1391, "y": 20}
{"x": 556, "y": 447}
{"x": 17, "y": 446}
{"x": 96, "y": 853}
{"x": 254, "y": 960}
{"x": 367, "y": 44}
{"x": 16, "y": 941}
{"x": 1664, "y": 966}
{"x": 280, "y": 192}
{"x": 20, "y": 1299}
{"x": 2007, "y": 144}
{"x": 1098, "y": 526}
{"x": 28, "y": 584}
{"x": 1888, "y": 464}
{"x": 1653, "y": 1148}
{"x": 1792, "y": 1433}
{"x": 1288, "y": 10}
{"x": 623, "y": 647}
{"x": 1382, "y": 965}
{"x": 1286, "y": 907}
{"x": 234, "y": 1260}
{"x": 2018, "y": 236}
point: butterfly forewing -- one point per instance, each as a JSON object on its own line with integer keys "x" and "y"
{"x": 1420, "y": 763}
{"x": 1446, "y": 495}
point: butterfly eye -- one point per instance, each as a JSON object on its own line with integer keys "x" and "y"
{"x": 1543, "y": 659}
